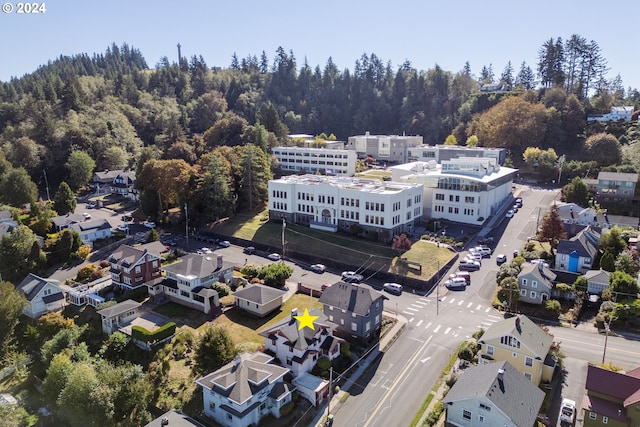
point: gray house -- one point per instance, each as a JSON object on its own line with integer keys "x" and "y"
{"x": 578, "y": 253}
{"x": 536, "y": 283}
{"x": 495, "y": 394}
{"x": 597, "y": 281}
{"x": 356, "y": 310}
{"x": 259, "y": 300}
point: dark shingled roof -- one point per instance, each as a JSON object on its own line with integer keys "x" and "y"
{"x": 351, "y": 297}
{"x": 516, "y": 396}
{"x": 585, "y": 243}
{"x": 33, "y": 284}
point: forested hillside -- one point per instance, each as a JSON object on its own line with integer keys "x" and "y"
{"x": 112, "y": 106}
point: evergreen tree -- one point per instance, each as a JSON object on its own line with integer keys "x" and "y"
{"x": 215, "y": 348}
{"x": 64, "y": 200}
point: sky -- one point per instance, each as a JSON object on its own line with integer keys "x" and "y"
{"x": 424, "y": 32}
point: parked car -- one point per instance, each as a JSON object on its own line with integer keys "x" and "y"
{"x": 567, "y": 411}
{"x": 86, "y": 215}
{"x": 274, "y": 257}
{"x": 123, "y": 227}
{"x": 474, "y": 256}
{"x": 249, "y": 250}
{"x": 206, "y": 251}
{"x": 127, "y": 218}
{"x": 509, "y": 213}
{"x": 501, "y": 259}
{"x": 224, "y": 244}
{"x": 149, "y": 224}
{"x": 485, "y": 251}
{"x": 91, "y": 205}
{"x": 393, "y": 288}
{"x": 461, "y": 274}
{"x": 318, "y": 268}
{"x": 469, "y": 265}
{"x": 514, "y": 208}
{"x": 352, "y": 277}
{"x": 518, "y": 202}
{"x": 486, "y": 241}
{"x": 455, "y": 283}
{"x": 540, "y": 261}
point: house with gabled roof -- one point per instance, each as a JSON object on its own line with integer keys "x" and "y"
{"x": 536, "y": 283}
{"x": 174, "y": 418}
{"x": 259, "y": 300}
{"x": 118, "y": 315}
{"x": 300, "y": 349}
{"x": 132, "y": 267}
{"x": 245, "y": 390}
{"x": 356, "y": 310}
{"x": 64, "y": 221}
{"x": 495, "y": 394}
{"x": 597, "y": 281}
{"x": 611, "y": 398}
{"x": 43, "y": 295}
{"x": 188, "y": 281}
{"x": 90, "y": 231}
{"x": 523, "y": 344}
{"x": 578, "y": 253}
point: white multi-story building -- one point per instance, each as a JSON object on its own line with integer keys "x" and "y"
{"x": 326, "y": 161}
{"x": 467, "y": 189}
{"x": 384, "y": 148}
{"x": 332, "y": 203}
{"x": 617, "y": 113}
{"x": 440, "y": 153}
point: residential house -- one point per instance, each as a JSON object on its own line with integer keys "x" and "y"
{"x": 495, "y": 394}
{"x": 90, "y": 231}
{"x": 188, "y": 281}
{"x": 616, "y": 187}
{"x": 575, "y": 218}
{"x": 5, "y": 216}
{"x": 326, "y": 161}
{"x": 612, "y": 398}
{"x": 174, "y": 418}
{"x": 119, "y": 315}
{"x": 523, "y": 344}
{"x": 245, "y": 390}
{"x": 356, "y": 310}
{"x": 467, "y": 190}
{"x": 387, "y": 149}
{"x": 623, "y": 112}
{"x": 132, "y": 267}
{"x": 536, "y": 283}
{"x": 43, "y": 295}
{"x": 259, "y": 300}
{"x": 116, "y": 181}
{"x": 300, "y": 349}
{"x": 7, "y": 227}
{"x": 597, "y": 281}
{"x": 340, "y": 203}
{"x": 578, "y": 253}
{"x": 64, "y": 221}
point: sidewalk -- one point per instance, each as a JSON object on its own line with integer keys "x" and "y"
{"x": 385, "y": 342}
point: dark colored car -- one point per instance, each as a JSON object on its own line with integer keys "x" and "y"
{"x": 249, "y": 250}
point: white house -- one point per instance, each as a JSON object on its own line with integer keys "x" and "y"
{"x": 117, "y": 316}
{"x": 467, "y": 190}
{"x": 384, "y": 148}
{"x": 617, "y": 113}
{"x": 43, "y": 295}
{"x": 188, "y": 281}
{"x": 90, "y": 231}
{"x": 333, "y": 203}
{"x": 597, "y": 281}
{"x": 326, "y": 161}
{"x": 116, "y": 181}
{"x": 300, "y": 349}
{"x": 245, "y": 390}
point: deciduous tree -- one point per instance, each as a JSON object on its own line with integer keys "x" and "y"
{"x": 576, "y": 192}
{"x": 215, "y": 348}
{"x": 17, "y": 188}
{"x": 551, "y": 228}
{"x": 11, "y": 305}
{"x": 604, "y": 148}
{"x": 80, "y": 167}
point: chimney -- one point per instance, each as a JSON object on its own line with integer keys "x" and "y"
{"x": 219, "y": 262}
{"x": 501, "y": 379}
{"x": 164, "y": 421}
{"x": 518, "y": 327}
{"x": 294, "y": 312}
{"x": 540, "y": 266}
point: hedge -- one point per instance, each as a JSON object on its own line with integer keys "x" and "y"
{"x": 141, "y": 334}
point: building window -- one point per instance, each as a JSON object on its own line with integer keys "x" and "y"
{"x": 490, "y": 350}
{"x": 367, "y": 326}
{"x": 527, "y": 375}
{"x": 605, "y": 420}
{"x": 524, "y": 282}
{"x": 528, "y": 361}
{"x": 342, "y": 322}
{"x": 354, "y": 326}
{"x": 593, "y": 416}
{"x": 523, "y": 292}
{"x": 480, "y": 418}
{"x": 534, "y": 284}
{"x": 212, "y": 406}
{"x": 485, "y": 407}
{"x": 138, "y": 270}
{"x": 533, "y": 294}
{"x": 466, "y": 414}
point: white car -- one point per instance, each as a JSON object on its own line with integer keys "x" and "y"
{"x": 224, "y": 244}
{"x": 456, "y": 283}
{"x": 501, "y": 259}
{"x": 567, "y": 411}
{"x": 123, "y": 227}
{"x": 318, "y": 268}
{"x": 274, "y": 257}
{"x": 393, "y": 288}
{"x": 352, "y": 276}
{"x": 509, "y": 213}
{"x": 86, "y": 215}
{"x": 91, "y": 205}
{"x": 206, "y": 251}
{"x": 149, "y": 224}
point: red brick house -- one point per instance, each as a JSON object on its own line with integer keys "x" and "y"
{"x": 134, "y": 267}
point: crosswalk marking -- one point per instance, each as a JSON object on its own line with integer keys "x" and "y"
{"x": 487, "y": 310}
{"x": 411, "y": 320}
{"x": 469, "y": 305}
{"x": 446, "y": 331}
{"x": 479, "y": 307}
{"x": 421, "y": 303}
{"x": 425, "y": 299}
{"x": 416, "y": 305}
{"x": 412, "y": 309}
{"x": 452, "y": 300}
{"x": 409, "y": 313}
{"x": 428, "y": 324}
{"x": 437, "y": 329}
{"x": 461, "y": 302}
{"x": 419, "y": 323}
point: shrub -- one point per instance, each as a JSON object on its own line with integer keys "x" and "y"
{"x": 478, "y": 334}
{"x": 105, "y": 305}
{"x": 83, "y": 252}
{"x": 84, "y": 274}
{"x": 222, "y": 289}
{"x": 468, "y": 350}
{"x": 323, "y": 363}
{"x": 553, "y": 305}
{"x": 287, "y": 408}
{"x": 144, "y": 335}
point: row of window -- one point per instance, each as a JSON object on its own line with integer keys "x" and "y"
{"x": 314, "y": 162}
{"x": 456, "y": 198}
{"x": 326, "y": 199}
{"x": 280, "y": 206}
{"x": 319, "y": 155}
{"x": 277, "y": 194}
{"x": 528, "y": 361}
{"x": 305, "y": 208}
{"x": 346, "y": 201}
{"x": 373, "y": 219}
{"x": 371, "y": 206}
{"x": 350, "y": 215}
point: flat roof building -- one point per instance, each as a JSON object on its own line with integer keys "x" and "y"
{"x": 326, "y": 161}
{"x": 390, "y": 149}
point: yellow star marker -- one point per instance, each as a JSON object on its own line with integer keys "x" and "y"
{"x": 306, "y": 320}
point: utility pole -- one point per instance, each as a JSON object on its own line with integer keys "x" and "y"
{"x": 46, "y": 181}
{"x": 186, "y": 215}
{"x": 330, "y": 387}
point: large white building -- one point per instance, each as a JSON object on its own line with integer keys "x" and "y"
{"x": 326, "y": 161}
{"x": 333, "y": 203}
{"x": 623, "y": 113}
{"x": 467, "y": 189}
{"x": 440, "y": 153}
{"x": 384, "y": 148}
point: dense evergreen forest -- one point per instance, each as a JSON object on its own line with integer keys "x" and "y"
{"x": 121, "y": 113}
